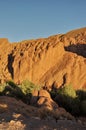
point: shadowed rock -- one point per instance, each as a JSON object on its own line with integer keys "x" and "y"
{"x": 79, "y": 49}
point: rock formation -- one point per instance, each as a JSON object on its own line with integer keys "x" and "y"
{"x": 57, "y": 60}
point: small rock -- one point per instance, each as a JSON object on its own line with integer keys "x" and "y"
{"x": 61, "y": 118}
{"x": 79, "y": 121}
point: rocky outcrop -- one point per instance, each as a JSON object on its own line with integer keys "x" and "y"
{"x": 56, "y": 60}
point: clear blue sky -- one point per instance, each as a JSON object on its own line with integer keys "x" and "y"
{"x": 30, "y": 19}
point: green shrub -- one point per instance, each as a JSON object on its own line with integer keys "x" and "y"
{"x": 12, "y": 84}
{"x": 28, "y": 87}
{"x": 67, "y": 98}
{"x": 22, "y": 91}
{"x": 68, "y": 91}
{"x": 11, "y": 89}
{"x": 2, "y": 87}
{"x": 81, "y": 94}
{"x": 83, "y": 107}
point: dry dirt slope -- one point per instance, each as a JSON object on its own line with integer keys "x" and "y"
{"x": 59, "y": 59}
{"x": 15, "y": 115}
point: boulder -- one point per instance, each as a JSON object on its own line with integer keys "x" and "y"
{"x": 44, "y": 93}
{"x": 47, "y": 103}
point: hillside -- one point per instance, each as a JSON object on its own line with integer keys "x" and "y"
{"x": 56, "y": 60}
{"x": 45, "y": 83}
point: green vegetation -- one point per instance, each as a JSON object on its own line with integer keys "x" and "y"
{"x": 82, "y": 97}
{"x": 28, "y": 87}
{"x": 68, "y": 91}
{"x": 83, "y": 107}
{"x": 23, "y": 91}
{"x": 69, "y": 99}
{"x": 66, "y": 97}
{"x": 73, "y": 101}
{"x": 11, "y": 89}
{"x": 2, "y": 87}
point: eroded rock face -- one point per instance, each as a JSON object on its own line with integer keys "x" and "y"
{"x": 59, "y": 60}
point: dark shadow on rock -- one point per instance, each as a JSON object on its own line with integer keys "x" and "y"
{"x": 10, "y": 63}
{"x": 79, "y": 49}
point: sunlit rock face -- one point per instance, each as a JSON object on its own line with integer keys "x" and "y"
{"x": 57, "y": 60}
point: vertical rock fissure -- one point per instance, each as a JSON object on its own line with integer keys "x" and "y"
{"x": 10, "y": 63}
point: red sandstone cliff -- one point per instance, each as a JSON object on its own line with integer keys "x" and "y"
{"x": 58, "y": 59}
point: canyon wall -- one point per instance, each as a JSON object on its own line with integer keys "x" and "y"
{"x": 57, "y": 60}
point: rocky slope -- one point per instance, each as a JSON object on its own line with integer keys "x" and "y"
{"x": 15, "y": 115}
{"x": 57, "y": 60}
